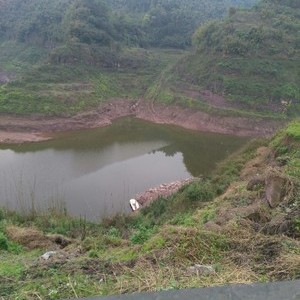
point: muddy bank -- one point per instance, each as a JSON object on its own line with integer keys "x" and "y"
{"x": 19, "y": 129}
{"x": 164, "y": 190}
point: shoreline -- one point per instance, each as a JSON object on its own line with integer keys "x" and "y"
{"x": 163, "y": 190}
{"x": 36, "y": 128}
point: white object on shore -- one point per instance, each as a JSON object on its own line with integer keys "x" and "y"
{"x": 49, "y": 254}
{"x": 134, "y": 204}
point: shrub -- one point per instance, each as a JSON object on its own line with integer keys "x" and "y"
{"x": 293, "y": 130}
{"x": 156, "y": 208}
{"x": 3, "y": 242}
{"x": 114, "y": 232}
{"x": 202, "y": 191}
{"x": 2, "y": 214}
{"x": 142, "y": 234}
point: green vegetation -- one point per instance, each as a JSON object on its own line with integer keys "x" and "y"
{"x": 223, "y": 221}
{"x": 287, "y": 148}
{"x": 293, "y": 131}
{"x": 252, "y": 58}
{"x": 61, "y": 57}
{"x": 132, "y": 23}
{"x": 54, "y": 89}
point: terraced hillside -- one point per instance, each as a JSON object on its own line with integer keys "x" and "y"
{"x": 249, "y": 61}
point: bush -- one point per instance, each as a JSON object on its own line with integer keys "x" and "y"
{"x": 156, "y": 209}
{"x": 293, "y": 130}
{"x": 114, "y": 232}
{"x": 202, "y": 191}
{"x": 142, "y": 234}
{"x": 3, "y": 242}
{"x": 2, "y": 214}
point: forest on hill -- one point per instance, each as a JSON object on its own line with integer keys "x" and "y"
{"x": 246, "y": 52}
{"x": 251, "y": 58}
{"x": 155, "y": 23}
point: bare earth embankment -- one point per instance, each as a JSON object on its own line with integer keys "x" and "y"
{"x": 32, "y": 128}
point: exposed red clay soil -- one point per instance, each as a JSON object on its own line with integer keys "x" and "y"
{"x": 209, "y": 97}
{"x": 32, "y": 128}
{"x": 220, "y": 101}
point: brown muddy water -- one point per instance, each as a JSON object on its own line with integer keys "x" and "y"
{"x": 94, "y": 173}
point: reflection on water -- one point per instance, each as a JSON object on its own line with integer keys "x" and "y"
{"x": 96, "y": 172}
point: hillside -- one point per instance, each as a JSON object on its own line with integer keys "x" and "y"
{"x": 62, "y": 57}
{"x": 134, "y": 22}
{"x": 249, "y": 61}
{"x": 242, "y": 223}
{"x": 96, "y": 31}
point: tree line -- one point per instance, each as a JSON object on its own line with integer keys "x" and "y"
{"x": 143, "y": 23}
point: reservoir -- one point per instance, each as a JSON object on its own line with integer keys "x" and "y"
{"x": 94, "y": 173}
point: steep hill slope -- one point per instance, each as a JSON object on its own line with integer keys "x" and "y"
{"x": 251, "y": 60}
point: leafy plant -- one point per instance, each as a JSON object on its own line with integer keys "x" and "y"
{"x": 200, "y": 191}
{"x": 3, "y": 242}
{"x": 142, "y": 234}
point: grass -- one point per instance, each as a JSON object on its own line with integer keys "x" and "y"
{"x": 196, "y": 72}
{"x": 245, "y": 83}
{"x": 251, "y": 58}
{"x": 206, "y": 222}
{"x": 57, "y": 89}
{"x": 293, "y": 130}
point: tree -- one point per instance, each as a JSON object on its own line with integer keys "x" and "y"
{"x": 87, "y": 21}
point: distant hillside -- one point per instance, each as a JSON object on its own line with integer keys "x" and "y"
{"x": 171, "y": 23}
{"x": 108, "y": 45}
{"x": 252, "y": 58}
{"x": 67, "y": 26}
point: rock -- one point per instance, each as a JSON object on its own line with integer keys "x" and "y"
{"x": 4, "y": 78}
{"x": 163, "y": 190}
{"x": 47, "y": 255}
{"x": 255, "y": 182}
{"x": 275, "y": 190}
{"x": 59, "y": 240}
{"x": 212, "y": 226}
{"x": 201, "y": 270}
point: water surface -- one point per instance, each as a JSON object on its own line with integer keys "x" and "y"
{"x": 94, "y": 173}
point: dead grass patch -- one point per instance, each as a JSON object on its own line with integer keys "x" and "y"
{"x": 265, "y": 255}
{"x": 192, "y": 245}
{"x": 256, "y": 165}
{"x": 29, "y": 237}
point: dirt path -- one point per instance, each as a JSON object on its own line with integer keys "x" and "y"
{"x": 19, "y": 129}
